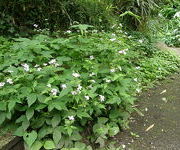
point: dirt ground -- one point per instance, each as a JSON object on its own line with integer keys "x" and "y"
{"x": 159, "y": 128}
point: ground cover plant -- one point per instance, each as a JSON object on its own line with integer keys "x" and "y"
{"x": 171, "y": 29}
{"x": 75, "y": 92}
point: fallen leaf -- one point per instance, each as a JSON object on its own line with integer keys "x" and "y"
{"x": 150, "y": 127}
{"x": 164, "y": 99}
{"x": 164, "y": 91}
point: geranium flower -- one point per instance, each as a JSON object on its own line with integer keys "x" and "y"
{"x": 26, "y": 67}
{"x": 87, "y": 97}
{"x": 102, "y": 98}
{"x": 54, "y": 92}
{"x": 76, "y": 75}
{"x": 71, "y": 118}
{"x": 63, "y": 86}
{"x": 2, "y": 84}
{"x": 9, "y": 81}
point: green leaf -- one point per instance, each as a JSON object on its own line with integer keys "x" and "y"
{"x": 31, "y": 99}
{"x": 76, "y": 136}
{"x": 21, "y": 119}
{"x": 37, "y": 145}
{"x": 2, "y": 117}
{"x": 56, "y": 120}
{"x": 11, "y": 105}
{"x": 49, "y": 145}
{"x": 3, "y": 106}
{"x": 57, "y": 135}
{"x": 29, "y": 113}
{"x": 65, "y": 92}
{"x": 69, "y": 130}
{"x": 25, "y": 124}
{"x": 44, "y": 131}
{"x": 82, "y": 114}
{"x": 102, "y": 120}
{"x": 63, "y": 58}
{"x": 101, "y": 141}
{"x": 113, "y": 131}
{"x": 60, "y": 105}
{"x": 30, "y": 138}
{"x": 80, "y": 145}
{"x": 19, "y": 131}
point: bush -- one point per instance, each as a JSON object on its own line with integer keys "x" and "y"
{"x": 65, "y": 92}
{"x": 28, "y": 15}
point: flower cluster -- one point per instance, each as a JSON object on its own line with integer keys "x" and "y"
{"x": 123, "y": 51}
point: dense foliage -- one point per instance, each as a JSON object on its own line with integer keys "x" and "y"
{"x": 75, "y": 91}
{"x": 74, "y": 88}
{"x": 171, "y": 15}
{"x": 23, "y": 15}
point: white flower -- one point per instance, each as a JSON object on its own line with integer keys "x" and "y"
{"x": 87, "y": 97}
{"x": 112, "y": 70}
{"x": 91, "y": 57}
{"x": 94, "y": 31}
{"x": 45, "y": 64}
{"x": 90, "y": 87}
{"x": 74, "y": 93}
{"x": 52, "y": 61}
{"x": 2, "y": 84}
{"x": 138, "y": 67}
{"x": 122, "y": 52}
{"x": 135, "y": 79}
{"x": 76, "y": 75}
{"x": 138, "y": 90}
{"x": 71, "y": 118}
{"x": 56, "y": 65}
{"x": 123, "y": 146}
{"x": 63, "y": 86}
{"x": 93, "y": 81}
{"x": 177, "y": 14}
{"x": 79, "y": 88}
{"x": 49, "y": 85}
{"x": 54, "y": 92}
{"x": 113, "y": 34}
{"x": 68, "y": 31}
{"x": 107, "y": 80}
{"x": 140, "y": 41}
{"x": 120, "y": 25}
{"x": 119, "y": 67}
{"x": 113, "y": 39}
{"x": 26, "y": 67}
{"x": 102, "y": 98}
{"x": 35, "y": 25}
{"x": 39, "y": 69}
{"x": 36, "y": 66}
{"x": 175, "y": 30}
{"x": 92, "y": 74}
{"x": 10, "y": 71}
{"x": 9, "y": 81}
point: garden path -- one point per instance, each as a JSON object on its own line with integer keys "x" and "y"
{"x": 159, "y": 128}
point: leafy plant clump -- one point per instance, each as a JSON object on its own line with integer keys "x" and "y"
{"x": 171, "y": 15}
{"x": 74, "y": 92}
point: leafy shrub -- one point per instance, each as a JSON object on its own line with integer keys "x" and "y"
{"x": 139, "y": 10}
{"x": 171, "y": 16}
{"x": 65, "y": 92}
{"x": 28, "y": 15}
